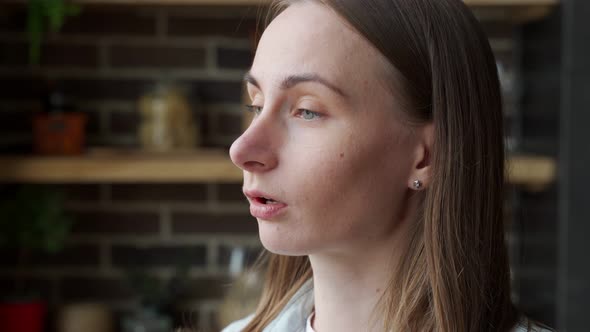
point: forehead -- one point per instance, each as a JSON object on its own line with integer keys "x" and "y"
{"x": 310, "y": 38}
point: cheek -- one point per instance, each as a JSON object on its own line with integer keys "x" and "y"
{"x": 350, "y": 179}
{"x": 340, "y": 173}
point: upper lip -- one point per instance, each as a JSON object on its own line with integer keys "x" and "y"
{"x": 253, "y": 194}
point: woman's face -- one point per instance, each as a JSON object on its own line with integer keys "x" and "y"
{"x": 326, "y": 142}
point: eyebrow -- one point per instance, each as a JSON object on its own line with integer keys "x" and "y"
{"x": 293, "y": 80}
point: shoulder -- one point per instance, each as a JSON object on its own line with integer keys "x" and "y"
{"x": 239, "y": 325}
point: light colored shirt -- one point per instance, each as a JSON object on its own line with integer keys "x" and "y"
{"x": 297, "y": 314}
{"x": 292, "y": 318}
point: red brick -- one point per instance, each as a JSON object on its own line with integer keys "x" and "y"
{"x": 93, "y": 126}
{"x": 115, "y": 21}
{"x": 207, "y": 91}
{"x": 16, "y": 122}
{"x": 98, "y": 89}
{"x": 234, "y": 58}
{"x": 25, "y": 87}
{"x": 157, "y": 56}
{"x": 124, "y": 123}
{"x": 95, "y": 289}
{"x": 37, "y": 286}
{"x": 14, "y": 54}
{"x": 205, "y": 288}
{"x": 208, "y": 223}
{"x": 75, "y": 255}
{"x": 229, "y": 27}
{"x": 13, "y": 19}
{"x": 159, "y": 256}
{"x": 188, "y": 193}
{"x": 78, "y": 192}
{"x": 69, "y": 55}
{"x": 215, "y": 91}
{"x": 114, "y": 223}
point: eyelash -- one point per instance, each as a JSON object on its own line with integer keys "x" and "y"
{"x": 257, "y": 109}
{"x": 302, "y": 110}
{"x": 254, "y": 109}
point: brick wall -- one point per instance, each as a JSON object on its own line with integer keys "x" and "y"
{"x": 108, "y": 57}
{"x": 95, "y": 58}
{"x": 105, "y": 59}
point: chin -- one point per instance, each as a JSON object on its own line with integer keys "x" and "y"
{"x": 279, "y": 241}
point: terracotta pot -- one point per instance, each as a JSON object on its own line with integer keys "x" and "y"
{"x": 22, "y": 316}
{"x": 59, "y": 133}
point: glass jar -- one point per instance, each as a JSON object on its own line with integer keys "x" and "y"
{"x": 167, "y": 121}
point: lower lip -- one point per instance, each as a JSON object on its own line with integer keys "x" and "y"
{"x": 266, "y": 211}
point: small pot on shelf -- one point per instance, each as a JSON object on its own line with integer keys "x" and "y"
{"x": 59, "y": 129}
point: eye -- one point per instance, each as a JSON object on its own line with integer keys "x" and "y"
{"x": 254, "y": 109}
{"x": 307, "y": 114}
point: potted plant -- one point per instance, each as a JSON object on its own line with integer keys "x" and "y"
{"x": 43, "y": 15}
{"x": 59, "y": 129}
{"x": 31, "y": 222}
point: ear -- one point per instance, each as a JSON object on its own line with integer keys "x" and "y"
{"x": 420, "y": 174}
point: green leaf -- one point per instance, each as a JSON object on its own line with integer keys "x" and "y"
{"x": 35, "y": 29}
{"x": 73, "y": 10}
{"x": 55, "y": 12}
{"x": 35, "y": 219}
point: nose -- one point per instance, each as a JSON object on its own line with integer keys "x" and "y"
{"x": 256, "y": 149}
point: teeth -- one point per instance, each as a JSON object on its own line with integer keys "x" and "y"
{"x": 265, "y": 200}
{"x": 269, "y": 201}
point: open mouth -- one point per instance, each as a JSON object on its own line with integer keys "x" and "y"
{"x": 262, "y": 206}
{"x": 264, "y": 200}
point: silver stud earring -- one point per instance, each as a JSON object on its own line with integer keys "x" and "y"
{"x": 417, "y": 184}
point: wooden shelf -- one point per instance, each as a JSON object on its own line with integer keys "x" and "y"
{"x": 532, "y": 172}
{"x": 112, "y": 166}
{"x": 121, "y": 167}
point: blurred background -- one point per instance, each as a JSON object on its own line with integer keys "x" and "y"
{"x": 121, "y": 211}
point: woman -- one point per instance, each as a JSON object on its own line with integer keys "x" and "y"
{"x": 375, "y": 168}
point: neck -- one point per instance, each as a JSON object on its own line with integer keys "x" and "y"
{"x": 349, "y": 285}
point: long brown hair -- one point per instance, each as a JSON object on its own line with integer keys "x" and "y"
{"x": 455, "y": 275}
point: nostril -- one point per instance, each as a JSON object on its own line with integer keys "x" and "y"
{"x": 250, "y": 165}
